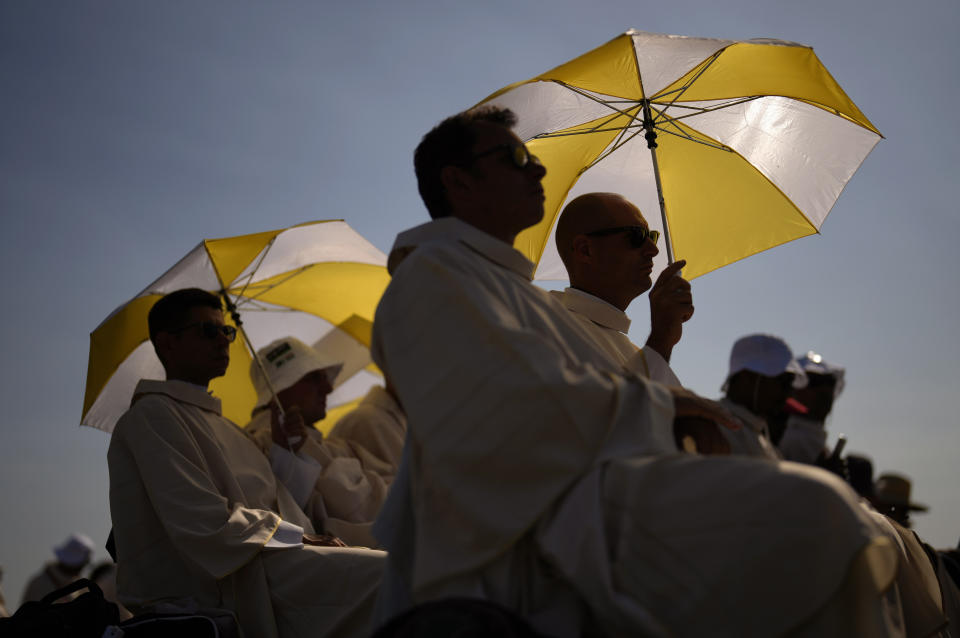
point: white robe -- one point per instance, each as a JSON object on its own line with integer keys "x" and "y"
{"x": 339, "y": 484}
{"x": 753, "y": 439}
{"x": 194, "y": 503}
{"x": 608, "y": 325}
{"x": 378, "y": 425}
{"x": 538, "y": 475}
{"x": 803, "y": 440}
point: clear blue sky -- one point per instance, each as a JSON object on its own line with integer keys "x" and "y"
{"x": 131, "y": 130}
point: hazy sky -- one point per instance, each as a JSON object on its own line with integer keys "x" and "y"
{"x": 131, "y": 130}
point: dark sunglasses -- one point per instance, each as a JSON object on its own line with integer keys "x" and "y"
{"x": 519, "y": 154}
{"x": 638, "y": 234}
{"x": 211, "y": 330}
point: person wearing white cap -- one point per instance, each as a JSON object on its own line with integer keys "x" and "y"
{"x": 805, "y": 435}
{"x": 338, "y": 482}
{"x": 199, "y": 519}
{"x": 761, "y": 375}
{"x": 608, "y": 249}
{"x": 72, "y": 554}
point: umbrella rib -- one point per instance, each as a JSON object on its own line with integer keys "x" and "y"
{"x": 606, "y": 103}
{"x": 700, "y": 110}
{"x": 679, "y": 132}
{"x": 681, "y": 90}
{"x": 584, "y": 132}
{"x": 274, "y": 285}
{"x": 689, "y": 137}
{"x": 616, "y": 145}
{"x": 263, "y": 255}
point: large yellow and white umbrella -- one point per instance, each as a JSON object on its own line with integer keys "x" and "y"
{"x": 739, "y": 145}
{"x": 319, "y": 282}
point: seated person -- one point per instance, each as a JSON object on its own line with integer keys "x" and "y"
{"x": 804, "y": 437}
{"x": 540, "y": 476}
{"x": 198, "y": 518}
{"x": 762, "y": 373}
{"x": 608, "y": 250}
{"x": 379, "y": 425}
{"x": 338, "y": 482}
{"x": 73, "y": 554}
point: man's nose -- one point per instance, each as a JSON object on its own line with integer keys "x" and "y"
{"x": 649, "y": 248}
{"x": 536, "y": 169}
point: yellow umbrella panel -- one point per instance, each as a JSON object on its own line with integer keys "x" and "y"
{"x": 319, "y": 282}
{"x": 728, "y": 147}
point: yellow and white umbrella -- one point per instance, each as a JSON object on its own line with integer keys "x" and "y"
{"x": 319, "y": 282}
{"x": 741, "y": 145}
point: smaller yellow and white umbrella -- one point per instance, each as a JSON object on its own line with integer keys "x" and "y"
{"x": 319, "y": 282}
{"x": 738, "y": 145}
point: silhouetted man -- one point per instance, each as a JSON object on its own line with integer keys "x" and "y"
{"x": 607, "y": 248}
{"x": 198, "y": 516}
{"x": 540, "y": 476}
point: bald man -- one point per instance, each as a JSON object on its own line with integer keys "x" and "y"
{"x": 607, "y": 248}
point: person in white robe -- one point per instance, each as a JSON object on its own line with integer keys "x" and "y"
{"x": 73, "y": 554}
{"x": 200, "y": 521}
{"x": 338, "y": 482}
{"x": 805, "y": 435}
{"x": 538, "y": 475}
{"x": 761, "y": 376}
{"x": 607, "y": 248}
{"x": 378, "y": 425}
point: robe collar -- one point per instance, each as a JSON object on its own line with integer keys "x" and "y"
{"x": 451, "y": 229}
{"x": 595, "y": 309}
{"x": 181, "y": 391}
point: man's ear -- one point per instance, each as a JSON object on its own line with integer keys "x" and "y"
{"x": 582, "y": 249}
{"x": 162, "y": 344}
{"x": 454, "y": 179}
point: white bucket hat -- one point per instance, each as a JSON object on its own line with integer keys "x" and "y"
{"x": 75, "y": 551}
{"x": 286, "y": 361}
{"x": 815, "y": 364}
{"x": 764, "y": 354}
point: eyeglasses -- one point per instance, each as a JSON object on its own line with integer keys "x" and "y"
{"x": 638, "y": 234}
{"x": 519, "y": 154}
{"x": 211, "y": 330}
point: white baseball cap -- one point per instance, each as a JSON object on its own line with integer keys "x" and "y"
{"x": 75, "y": 551}
{"x": 764, "y": 354}
{"x": 286, "y": 361}
{"x": 815, "y": 364}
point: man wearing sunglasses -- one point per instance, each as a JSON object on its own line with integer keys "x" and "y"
{"x": 538, "y": 474}
{"x": 608, "y": 250}
{"x": 198, "y": 517}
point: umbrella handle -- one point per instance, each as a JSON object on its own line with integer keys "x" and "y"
{"x": 651, "y": 136}
{"x": 235, "y": 315}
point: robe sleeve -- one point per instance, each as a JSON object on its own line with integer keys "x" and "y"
{"x": 216, "y": 534}
{"x": 649, "y": 363}
{"x": 502, "y": 418}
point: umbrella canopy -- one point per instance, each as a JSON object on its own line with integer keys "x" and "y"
{"x": 728, "y": 147}
{"x": 319, "y": 282}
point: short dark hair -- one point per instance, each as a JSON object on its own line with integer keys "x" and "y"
{"x": 450, "y": 143}
{"x": 170, "y": 312}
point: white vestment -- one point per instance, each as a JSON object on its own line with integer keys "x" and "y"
{"x": 338, "y": 483}
{"x": 803, "y": 440}
{"x": 195, "y": 507}
{"x": 608, "y": 325}
{"x": 753, "y": 439}
{"x": 537, "y": 475}
{"x": 378, "y": 425}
